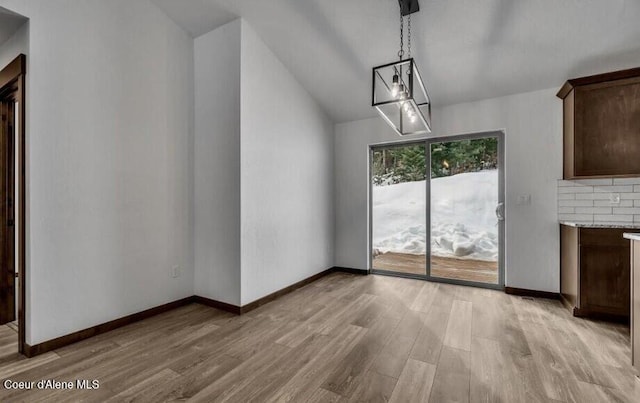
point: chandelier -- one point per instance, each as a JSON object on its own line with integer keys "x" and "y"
{"x": 399, "y": 94}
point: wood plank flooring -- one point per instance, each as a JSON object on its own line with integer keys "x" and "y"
{"x": 347, "y": 338}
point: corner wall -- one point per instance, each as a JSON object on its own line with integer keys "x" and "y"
{"x": 264, "y": 194}
{"x": 286, "y": 176}
{"x": 533, "y": 143}
{"x": 109, "y": 170}
{"x": 217, "y": 164}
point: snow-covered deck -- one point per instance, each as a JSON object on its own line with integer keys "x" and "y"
{"x": 444, "y": 267}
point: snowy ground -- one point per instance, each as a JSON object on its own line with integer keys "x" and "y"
{"x": 463, "y": 216}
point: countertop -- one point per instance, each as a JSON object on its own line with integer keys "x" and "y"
{"x": 632, "y": 236}
{"x": 601, "y": 224}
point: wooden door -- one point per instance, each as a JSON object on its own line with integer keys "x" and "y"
{"x": 7, "y": 246}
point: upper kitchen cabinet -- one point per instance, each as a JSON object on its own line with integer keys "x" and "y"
{"x": 602, "y": 125}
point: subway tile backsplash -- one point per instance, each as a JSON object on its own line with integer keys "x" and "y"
{"x": 599, "y": 200}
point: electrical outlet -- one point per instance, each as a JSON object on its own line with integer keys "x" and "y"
{"x": 175, "y": 272}
{"x": 614, "y": 198}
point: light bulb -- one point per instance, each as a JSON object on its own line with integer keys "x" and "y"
{"x": 403, "y": 94}
{"x": 395, "y": 87}
{"x": 411, "y": 114}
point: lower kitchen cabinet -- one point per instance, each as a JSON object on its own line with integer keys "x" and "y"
{"x": 595, "y": 270}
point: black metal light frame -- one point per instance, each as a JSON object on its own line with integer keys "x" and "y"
{"x": 419, "y": 108}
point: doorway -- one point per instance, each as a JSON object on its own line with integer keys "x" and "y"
{"x": 437, "y": 209}
{"x": 12, "y": 196}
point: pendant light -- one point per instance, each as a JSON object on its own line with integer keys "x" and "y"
{"x": 399, "y": 94}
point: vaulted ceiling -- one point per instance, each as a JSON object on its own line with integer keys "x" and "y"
{"x": 466, "y": 49}
{"x": 9, "y": 23}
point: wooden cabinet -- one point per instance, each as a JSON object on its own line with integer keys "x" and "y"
{"x": 635, "y": 304}
{"x": 602, "y": 125}
{"x": 595, "y": 272}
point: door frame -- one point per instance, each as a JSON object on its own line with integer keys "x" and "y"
{"x": 500, "y": 136}
{"x": 12, "y": 82}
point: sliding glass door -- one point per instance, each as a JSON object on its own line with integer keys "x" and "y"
{"x": 444, "y": 223}
{"x": 465, "y": 210}
{"x": 398, "y": 209}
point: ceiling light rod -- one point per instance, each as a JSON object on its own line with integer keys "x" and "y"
{"x": 404, "y": 106}
{"x": 408, "y": 7}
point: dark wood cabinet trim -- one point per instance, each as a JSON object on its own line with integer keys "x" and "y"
{"x": 568, "y": 143}
{"x": 601, "y": 125}
{"x": 618, "y": 176}
{"x": 597, "y": 78}
{"x": 524, "y": 292}
{"x": 601, "y": 315}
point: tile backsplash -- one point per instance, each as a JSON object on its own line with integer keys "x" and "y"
{"x": 599, "y": 200}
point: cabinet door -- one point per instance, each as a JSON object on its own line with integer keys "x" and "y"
{"x": 607, "y": 129}
{"x": 605, "y": 278}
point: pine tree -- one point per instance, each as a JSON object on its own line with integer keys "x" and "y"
{"x": 408, "y": 163}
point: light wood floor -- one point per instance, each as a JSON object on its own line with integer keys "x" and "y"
{"x": 444, "y": 267}
{"x": 8, "y": 344}
{"x": 351, "y": 338}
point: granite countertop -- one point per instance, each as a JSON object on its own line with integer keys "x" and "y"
{"x": 591, "y": 224}
{"x": 632, "y": 236}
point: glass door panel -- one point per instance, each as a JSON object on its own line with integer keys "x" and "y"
{"x": 398, "y": 209}
{"x": 465, "y": 204}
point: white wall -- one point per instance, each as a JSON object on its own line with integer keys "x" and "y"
{"x": 287, "y": 176}
{"x": 119, "y": 187}
{"x": 110, "y": 92}
{"x": 264, "y": 201}
{"x": 533, "y": 125}
{"x": 217, "y": 164}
